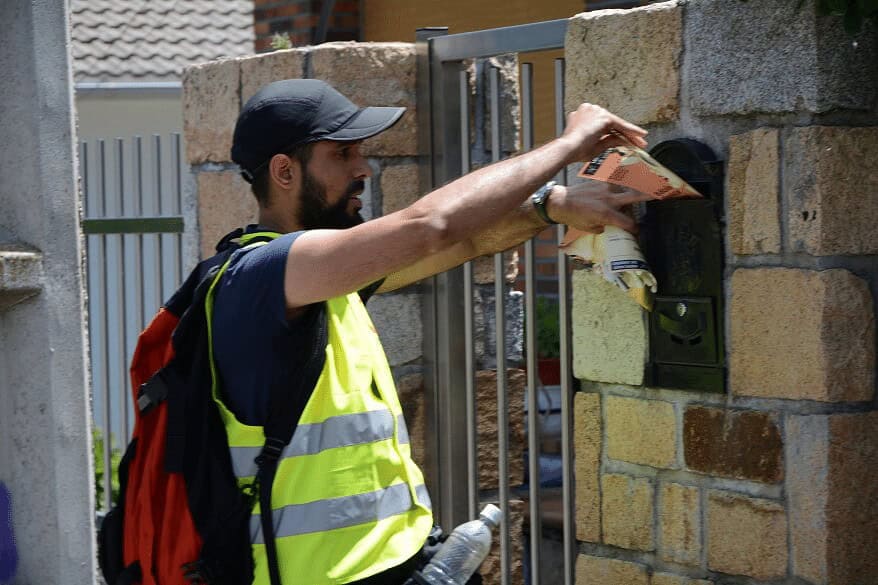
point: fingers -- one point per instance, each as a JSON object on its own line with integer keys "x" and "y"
{"x": 617, "y": 218}
{"x": 629, "y": 197}
{"x": 634, "y": 133}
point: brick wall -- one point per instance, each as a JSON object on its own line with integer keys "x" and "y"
{"x": 777, "y": 480}
{"x": 299, "y": 20}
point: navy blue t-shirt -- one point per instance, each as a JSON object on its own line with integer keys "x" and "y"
{"x": 253, "y": 340}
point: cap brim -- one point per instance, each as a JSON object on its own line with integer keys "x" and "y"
{"x": 367, "y": 123}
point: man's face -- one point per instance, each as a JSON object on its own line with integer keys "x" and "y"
{"x": 332, "y": 181}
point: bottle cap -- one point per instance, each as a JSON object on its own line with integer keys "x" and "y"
{"x": 492, "y": 515}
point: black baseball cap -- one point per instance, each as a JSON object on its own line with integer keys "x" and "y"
{"x": 285, "y": 114}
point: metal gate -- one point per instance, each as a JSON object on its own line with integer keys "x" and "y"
{"x": 133, "y": 225}
{"x": 445, "y": 100}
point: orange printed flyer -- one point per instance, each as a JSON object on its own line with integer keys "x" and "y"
{"x": 632, "y": 167}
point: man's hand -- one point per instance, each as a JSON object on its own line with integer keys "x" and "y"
{"x": 590, "y": 205}
{"x": 590, "y": 132}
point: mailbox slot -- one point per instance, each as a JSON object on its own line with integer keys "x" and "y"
{"x": 682, "y": 241}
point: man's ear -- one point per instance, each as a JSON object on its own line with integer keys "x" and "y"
{"x": 284, "y": 171}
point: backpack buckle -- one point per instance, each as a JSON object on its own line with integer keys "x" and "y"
{"x": 151, "y": 393}
{"x": 271, "y": 451}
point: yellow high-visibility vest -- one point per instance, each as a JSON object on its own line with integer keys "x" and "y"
{"x": 348, "y": 500}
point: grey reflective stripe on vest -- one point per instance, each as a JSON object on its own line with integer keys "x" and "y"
{"x": 330, "y": 514}
{"x": 337, "y": 431}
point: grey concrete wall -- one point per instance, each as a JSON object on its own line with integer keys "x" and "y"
{"x": 44, "y": 414}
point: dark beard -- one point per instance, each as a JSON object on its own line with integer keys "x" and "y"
{"x": 316, "y": 213}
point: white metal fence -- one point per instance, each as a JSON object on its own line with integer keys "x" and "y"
{"x": 132, "y": 193}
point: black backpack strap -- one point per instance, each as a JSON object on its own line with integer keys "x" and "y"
{"x": 285, "y": 409}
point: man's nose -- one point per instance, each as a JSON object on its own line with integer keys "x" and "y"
{"x": 362, "y": 170}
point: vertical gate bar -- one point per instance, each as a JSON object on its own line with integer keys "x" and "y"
{"x": 105, "y": 329}
{"x": 450, "y": 329}
{"x": 468, "y": 325}
{"x": 500, "y": 318}
{"x": 122, "y": 309}
{"x": 427, "y": 131}
{"x": 160, "y": 253}
{"x": 533, "y": 419}
{"x": 139, "y": 316}
{"x": 566, "y": 375}
{"x": 178, "y": 207}
{"x": 444, "y": 323}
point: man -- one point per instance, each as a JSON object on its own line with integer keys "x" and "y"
{"x": 349, "y": 503}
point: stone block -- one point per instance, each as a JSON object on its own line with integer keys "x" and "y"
{"x": 399, "y": 187}
{"x": 485, "y": 326}
{"x": 21, "y": 274}
{"x": 669, "y": 579}
{"x": 641, "y": 431}
{"x": 754, "y": 191}
{"x": 746, "y": 536}
{"x": 801, "y": 335}
{"x": 490, "y": 569}
{"x": 225, "y": 202}
{"x": 609, "y": 332}
{"x": 627, "y": 510}
{"x": 374, "y": 74}
{"x": 484, "y": 271}
{"x": 260, "y": 70}
{"x": 211, "y": 102}
{"x": 831, "y": 190}
{"x": 410, "y": 389}
{"x": 679, "y": 524}
{"x": 587, "y": 465}
{"x": 740, "y": 444}
{"x": 832, "y": 488}
{"x": 486, "y": 423}
{"x": 602, "y": 571}
{"x": 765, "y": 56}
{"x": 397, "y": 317}
{"x": 510, "y": 107}
{"x": 646, "y": 90}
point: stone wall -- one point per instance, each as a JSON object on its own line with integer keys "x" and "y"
{"x": 777, "y": 480}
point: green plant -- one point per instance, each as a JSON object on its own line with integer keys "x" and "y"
{"x": 98, "y": 455}
{"x": 548, "y": 328}
{"x": 280, "y": 41}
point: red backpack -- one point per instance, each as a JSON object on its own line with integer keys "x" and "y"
{"x": 181, "y": 518}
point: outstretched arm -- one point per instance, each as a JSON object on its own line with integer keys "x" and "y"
{"x": 329, "y": 263}
{"x": 588, "y": 206}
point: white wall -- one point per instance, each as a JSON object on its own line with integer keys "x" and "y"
{"x": 108, "y": 114}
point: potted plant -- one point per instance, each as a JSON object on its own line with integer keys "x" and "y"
{"x": 548, "y": 338}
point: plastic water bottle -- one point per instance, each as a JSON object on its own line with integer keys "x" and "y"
{"x": 464, "y": 550}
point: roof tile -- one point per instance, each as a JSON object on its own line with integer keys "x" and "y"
{"x": 122, "y": 40}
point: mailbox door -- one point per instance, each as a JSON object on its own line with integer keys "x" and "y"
{"x": 682, "y": 241}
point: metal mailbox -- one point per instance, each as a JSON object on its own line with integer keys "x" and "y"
{"x": 682, "y": 241}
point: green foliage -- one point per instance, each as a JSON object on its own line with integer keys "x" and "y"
{"x": 98, "y": 454}
{"x": 280, "y": 41}
{"x": 548, "y": 328}
{"x": 854, "y": 12}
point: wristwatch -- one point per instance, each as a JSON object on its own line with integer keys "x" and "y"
{"x": 539, "y": 200}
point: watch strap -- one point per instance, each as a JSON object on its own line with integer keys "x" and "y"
{"x": 539, "y": 200}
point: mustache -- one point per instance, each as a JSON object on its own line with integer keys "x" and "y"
{"x": 355, "y": 188}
